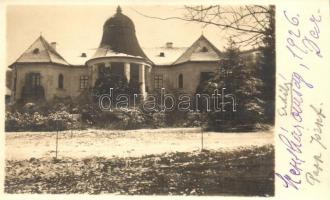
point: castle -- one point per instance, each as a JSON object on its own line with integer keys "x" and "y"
{"x": 41, "y": 71}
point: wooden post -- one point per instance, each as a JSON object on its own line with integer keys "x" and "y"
{"x": 56, "y": 139}
{"x": 202, "y": 138}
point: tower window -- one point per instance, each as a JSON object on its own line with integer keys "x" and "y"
{"x": 60, "y": 81}
{"x": 161, "y": 54}
{"x": 180, "y": 80}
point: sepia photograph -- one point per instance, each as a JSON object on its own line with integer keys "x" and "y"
{"x": 140, "y": 99}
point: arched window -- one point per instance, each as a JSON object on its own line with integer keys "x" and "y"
{"x": 60, "y": 81}
{"x": 180, "y": 81}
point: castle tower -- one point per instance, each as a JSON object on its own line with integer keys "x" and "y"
{"x": 120, "y": 53}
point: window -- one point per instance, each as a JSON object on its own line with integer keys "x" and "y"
{"x": 158, "y": 81}
{"x": 205, "y": 76}
{"x": 101, "y": 69}
{"x": 32, "y": 88}
{"x": 35, "y": 79}
{"x": 60, "y": 81}
{"x": 204, "y": 49}
{"x": 83, "y": 82}
{"x": 180, "y": 80}
{"x": 36, "y": 51}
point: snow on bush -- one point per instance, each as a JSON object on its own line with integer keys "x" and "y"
{"x": 60, "y": 120}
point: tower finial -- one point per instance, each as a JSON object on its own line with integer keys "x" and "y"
{"x": 118, "y": 9}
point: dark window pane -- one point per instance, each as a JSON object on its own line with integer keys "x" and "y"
{"x": 206, "y": 76}
{"x": 158, "y": 81}
{"x": 180, "y": 81}
{"x": 60, "y": 81}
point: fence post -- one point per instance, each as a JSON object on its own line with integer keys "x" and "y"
{"x": 56, "y": 139}
{"x": 202, "y": 139}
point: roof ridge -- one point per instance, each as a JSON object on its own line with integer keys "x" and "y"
{"x": 48, "y": 54}
{"x": 25, "y": 51}
{"x": 212, "y": 45}
{"x": 186, "y": 52}
{"x": 50, "y": 49}
{"x": 43, "y": 41}
{"x": 191, "y": 47}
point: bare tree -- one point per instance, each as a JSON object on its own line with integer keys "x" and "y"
{"x": 248, "y": 26}
{"x": 251, "y": 25}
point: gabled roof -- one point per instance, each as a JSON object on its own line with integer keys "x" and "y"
{"x": 171, "y": 55}
{"x": 201, "y": 50}
{"x": 41, "y": 52}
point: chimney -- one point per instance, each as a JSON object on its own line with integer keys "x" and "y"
{"x": 169, "y": 44}
{"x": 53, "y": 44}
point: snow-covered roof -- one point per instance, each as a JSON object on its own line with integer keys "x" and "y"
{"x": 107, "y": 52}
{"x": 41, "y": 52}
{"x": 77, "y": 57}
{"x": 164, "y": 55}
{"x": 201, "y": 50}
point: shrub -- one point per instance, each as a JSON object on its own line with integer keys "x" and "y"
{"x": 121, "y": 118}
{"x": 61, "y": 120}
{"x": 159, "y": 119}
{"x": 131, "y": 118}
{"x": 37, "y": 122}
{"x": 13, "y": 121}
{"x": 193, "y": 119}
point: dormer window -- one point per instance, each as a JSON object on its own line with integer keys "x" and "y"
{"x": 169, "y": 44}
{"x": 204, "y": 49}
{"x": 36, "y": 50}
{"x": 161, "y": 54}
{"x": 84, "y": 55}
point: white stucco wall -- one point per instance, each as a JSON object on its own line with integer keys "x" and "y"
{"x": 191, "y": 75}
{"x": 191, "y": 72}
{"x": 49, "y": 79}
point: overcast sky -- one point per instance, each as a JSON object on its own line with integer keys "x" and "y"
{"x": 79, "y": 28}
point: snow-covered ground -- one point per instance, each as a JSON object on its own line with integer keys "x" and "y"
{"x": 108, "y": 143}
